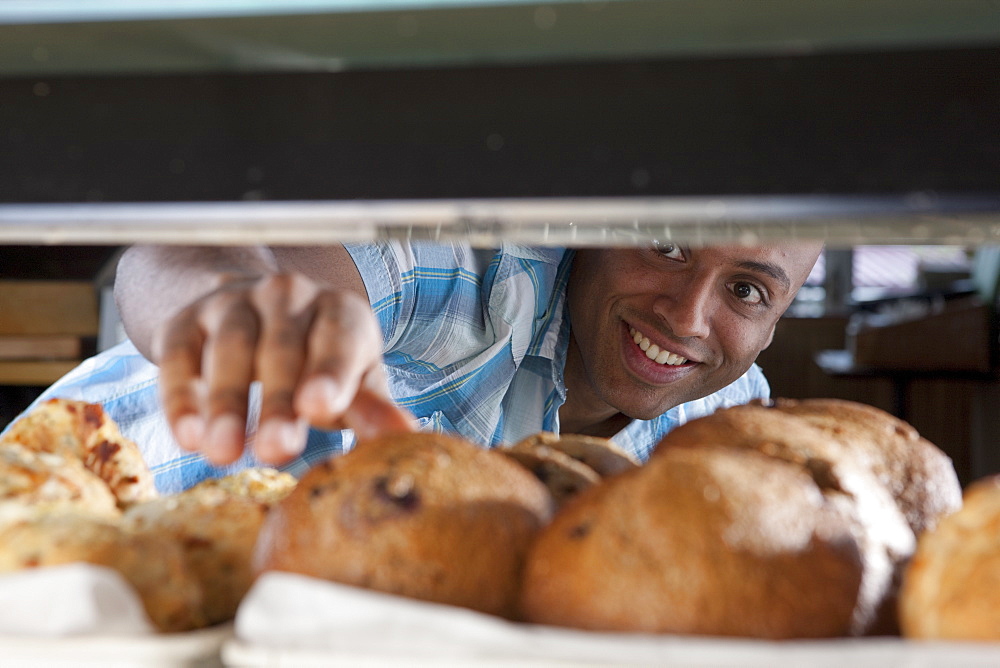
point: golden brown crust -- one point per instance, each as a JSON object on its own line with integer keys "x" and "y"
{"x": 422, "y": 515}
{"x": 41, "y": 482}
{"x": 76, "y": 429}
{"x": 951, "y": 588}
{"x": 215, "y": 523}
{"x": 694, "y": 543}
{"x": 920, "y": 477}
{"x": 883, "y": 536}
{"x": 152, "y": 564}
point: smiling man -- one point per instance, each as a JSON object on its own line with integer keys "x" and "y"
{"x": 659, "y": 327}
{"x": 242, "y": 356}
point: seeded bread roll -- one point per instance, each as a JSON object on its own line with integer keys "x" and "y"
{"x": 951, "y": 589}
{"x": 883, "y": 535}
{"x": 920, "y": 477}
{"x": 422, "y": 515}
{"x": 215, "y": 523}
{"x": 154, "y": 565}
{"x": 714, "y": 541}
{"x": 34, "y": 483}
{"x": 75, "y": 429}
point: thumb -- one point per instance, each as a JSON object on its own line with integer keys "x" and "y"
{"x": 373, "y": 413}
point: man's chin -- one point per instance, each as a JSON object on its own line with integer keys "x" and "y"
{"x": 654, "y": 408}
{"x": 650, "y": 413}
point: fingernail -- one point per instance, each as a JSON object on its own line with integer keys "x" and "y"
{"x": 324, "y": 392}
{"x": 226, "y": 433}
{"x": 297, "y": 433}
{"x": 288, "y": 436}
{"x": 190, "y": 431}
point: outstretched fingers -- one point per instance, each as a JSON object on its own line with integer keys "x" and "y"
{"x": 177, "y": 349}
{"x": 287, "y": 307}
{"x": 206, "y": 357}
{"x": 374, "y": 412}
{"x": 343, "y": 382}
{"x": 316, "y": 353}
{"x": 228, "y": 370}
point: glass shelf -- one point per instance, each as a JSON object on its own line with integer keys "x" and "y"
{"x": 839, "y": 221}
{"x": 573, "y": 122}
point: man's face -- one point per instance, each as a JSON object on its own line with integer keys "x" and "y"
{"x": 702, "y": 314}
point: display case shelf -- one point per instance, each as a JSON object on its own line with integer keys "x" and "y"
{"x": 839, "y": 221}
{"x": 573, "y": 122}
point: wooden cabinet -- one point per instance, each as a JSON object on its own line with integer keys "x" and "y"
{"x": 953, "y": 410}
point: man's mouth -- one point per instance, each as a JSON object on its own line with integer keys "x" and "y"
{"x": 653, "y": 351}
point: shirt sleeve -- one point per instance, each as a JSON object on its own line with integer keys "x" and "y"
{"x": 382, "y": 267}
{"x": 424, "y": 295}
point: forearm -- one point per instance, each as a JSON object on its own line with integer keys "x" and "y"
{"x": 154, "y": 283}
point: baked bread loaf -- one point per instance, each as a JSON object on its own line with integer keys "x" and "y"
{"x": 951, "y": 587}
{"x": 154, "y": 565}
{"x": 75, "y": 429}
{"x": 423, "y": 515}
{"x": 215, "y": 524}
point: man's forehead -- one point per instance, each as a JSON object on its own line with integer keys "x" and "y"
{"x": 791, "y": 255}
{"x": 787, "y": 262}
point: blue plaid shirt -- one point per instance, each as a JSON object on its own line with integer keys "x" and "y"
{"x": 475, "y": 343}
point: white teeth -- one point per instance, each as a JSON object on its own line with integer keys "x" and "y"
{"x": 653, "y": 351}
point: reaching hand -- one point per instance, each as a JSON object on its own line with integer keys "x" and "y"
{"x": 316, "y": 352}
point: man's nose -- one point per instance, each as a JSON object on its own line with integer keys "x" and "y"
{"x": 686, "y": 309}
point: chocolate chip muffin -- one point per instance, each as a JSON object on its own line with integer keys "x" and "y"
{"x": 696, "y": 542}
{"x": 423, "y": 515}
{"x": 564, "y": 476}
{"x": 598, "y": 454}
{"x": 773, "y": 521}
{"x": 847, "y": 477}
{"x": 919, "y": 476}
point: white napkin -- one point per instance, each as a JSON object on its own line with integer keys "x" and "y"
{"x": 75, "y": 599}
{"x": 290, "y": 619}
{"x": 291, "y": 612}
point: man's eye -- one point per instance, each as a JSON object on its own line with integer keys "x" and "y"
{"x": 667, "y": 249}
{"x": 748, "y": 292}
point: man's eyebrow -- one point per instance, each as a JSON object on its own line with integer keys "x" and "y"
{"x": 772, "y": 270}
